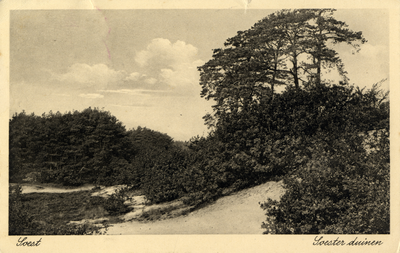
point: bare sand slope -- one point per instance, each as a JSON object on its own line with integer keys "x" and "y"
{"x": 239, "y": 213}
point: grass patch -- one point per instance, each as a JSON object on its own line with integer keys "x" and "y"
{"x": 156, "y": 213}
{"x": 50, "y": 211}
{"x": 64, "y": 207}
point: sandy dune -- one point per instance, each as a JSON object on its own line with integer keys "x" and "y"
{"x": 239, "y": 213}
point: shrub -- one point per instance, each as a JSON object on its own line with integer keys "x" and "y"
{"x": 19, "y": 219}
{"x": 163, "y": 182}
{"x": 335, "y": 193}
{"x": 114, "y": 205}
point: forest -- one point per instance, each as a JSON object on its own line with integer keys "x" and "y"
{"x": 275, "y": 117}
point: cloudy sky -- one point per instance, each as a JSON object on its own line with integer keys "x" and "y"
{"x": 141, "y": 65}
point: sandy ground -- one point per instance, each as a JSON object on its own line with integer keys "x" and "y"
{"x": 239, "y": 213}
{"x": 47, "y": 189}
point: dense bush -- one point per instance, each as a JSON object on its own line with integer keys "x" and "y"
{"x": 164, "y": 180}
{"x": 19, "y": 219}
{"x": 200, "y": 174}
{"x": 114, "y": 204}
{"x": 336, "y": 192}
{"x": 341, "y": 184}
{"x": 72, "y": 148}
{"x": 196, "y": 173}
{"x": 150, "y": 147}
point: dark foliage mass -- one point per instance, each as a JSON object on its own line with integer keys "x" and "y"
{"x": 270, "y": 140}
{"x": 150, "y": 146}
{"x": 341, "y": 189}
{"x": 72, "y": 148}
{"x": 329, "y": 142}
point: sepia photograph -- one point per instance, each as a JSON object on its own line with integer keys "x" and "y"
{"x": 194, "y": 122}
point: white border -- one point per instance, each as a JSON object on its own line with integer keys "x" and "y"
{"x": 195, "y": 243}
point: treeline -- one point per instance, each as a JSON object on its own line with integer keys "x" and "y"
{"x": 91, "y": 146}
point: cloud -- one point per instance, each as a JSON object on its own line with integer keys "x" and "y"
{"x": 91, "y": 95}
{"x": 101, "y": 76}
{"x": 183, "y": 75}
{"x": 368, "y": 66}
{"x": 135, "y": 92}
{"x": 161, "y": 65}
{"x": 132, "y": 105}
{"x": 122, "y": 91}
{"x": 133, "y": 76}
{"x": 175, "y": 63}
{"x": 98, "y": 74}
{"x": 367, "y": 52}
{"x": 151, "y": 80}
{"x": 165, "y": 52}
{"x": 372, "y": 52}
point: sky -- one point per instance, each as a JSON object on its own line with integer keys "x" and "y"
{"x": 141, "y": 65}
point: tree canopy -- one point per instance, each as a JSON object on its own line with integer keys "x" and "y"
{"x": 289, "y": 47}
{"x": 72, "y": 148}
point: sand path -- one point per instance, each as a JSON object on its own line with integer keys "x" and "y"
{"x": 239, "y": 213}
{"x": 49, "y": 189}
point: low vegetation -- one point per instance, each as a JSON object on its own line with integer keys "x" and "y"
{"x": 50, "y": 213}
